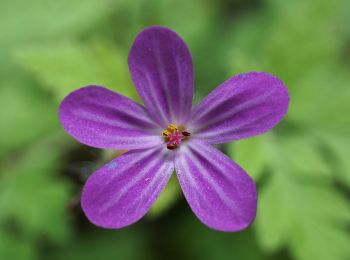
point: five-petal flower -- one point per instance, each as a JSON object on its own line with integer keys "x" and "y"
{"x": 167, "y": 134}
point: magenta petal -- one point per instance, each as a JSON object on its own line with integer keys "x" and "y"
{"x": 101, "y": 118}
{"x": 162, "y": 70}
{"x": 218, "y": 191}
{"x": 121, "y": 192}
{"x": 243, "y": 106}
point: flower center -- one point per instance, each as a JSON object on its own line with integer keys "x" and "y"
{"x": 174, "y": 135}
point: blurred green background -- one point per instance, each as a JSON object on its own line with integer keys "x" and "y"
{"x": 49, "y": 48}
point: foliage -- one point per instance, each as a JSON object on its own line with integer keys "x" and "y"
{"x": 62, "y": 67}
{"x": 300, "y": 206}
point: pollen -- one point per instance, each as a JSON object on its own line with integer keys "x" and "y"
{"x": 174, "y": 135}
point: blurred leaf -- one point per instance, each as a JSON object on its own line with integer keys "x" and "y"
{"x": 201, "y": 13}
{"x": 321, "y": 99}
{"x": 169, "y": 196}
{"x": 31, "y": 194}
{"x": 277, "y": 42}
{"x": 307, "y": 217}
{"x": 15, "y": 248}
{"x": 26, "y": 112}
{"x": 274, "y": 215}
{"x": 298, "y": 206}
{"x": 323, "y": 241}
{"x": 67, "y": 66}
{"x": 38, "y": 19}
{"x": 245, "y": 51}
{"x": 200, "y": 242}
{"x": 343, "y": 18}
{"x": 250, "y": 154}
{"x": 105, "y": 244}
{"x": 340, "y": 145}
{"x": 302, "y": 155}
{"x": 294, "y": 46}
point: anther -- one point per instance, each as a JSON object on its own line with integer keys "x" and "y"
{"x": 186, "y": 133}
{"x": 171, "y": 146}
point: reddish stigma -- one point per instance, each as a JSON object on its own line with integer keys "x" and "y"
{"x": 174, "y": 135}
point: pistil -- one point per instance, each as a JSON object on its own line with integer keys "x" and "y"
{"x": 174, "y": 135}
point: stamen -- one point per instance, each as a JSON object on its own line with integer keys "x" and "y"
{"x": 186, "y": 133}
{"x": 171, "y": 147}
{"x": 174, "y": 135}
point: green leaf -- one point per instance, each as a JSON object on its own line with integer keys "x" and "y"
{"x": 251, "y": 155}
{"x": 244, "y": 53}
{"x": 276, "y": 42}
{"x": 322, "y": 99}
{"x": 271, "y": 151}
{"x": 26, "y": 112}
{"x": 299, "y": 207}
{"x": 308, "y": 218}
{"x": 41, "y": 19}
{"x": 12, "y": 247}
{"x": 340, "y": 148}
{"x": 321, "y": 241}
{"x": 105, "y": 244}
{"x": 294, "y": 46}
{"x": 200, "y": 242}
{"x": 31, "y": 193}
{"x": 201, "y": 13}
{"x": 274, "y": 214}
{"x": 303, "y": 155}
{"x": 66, "y": 66}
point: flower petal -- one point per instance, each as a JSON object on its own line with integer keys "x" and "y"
{"x": 101, "y": 118}
{"x": 243, "y": 106}
{"x": 162, "y": 70}
{"x": 218, "y": 191}
{"x": 121, "y": 192}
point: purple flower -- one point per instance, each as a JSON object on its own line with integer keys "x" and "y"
{"x": 167, "y": 134}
